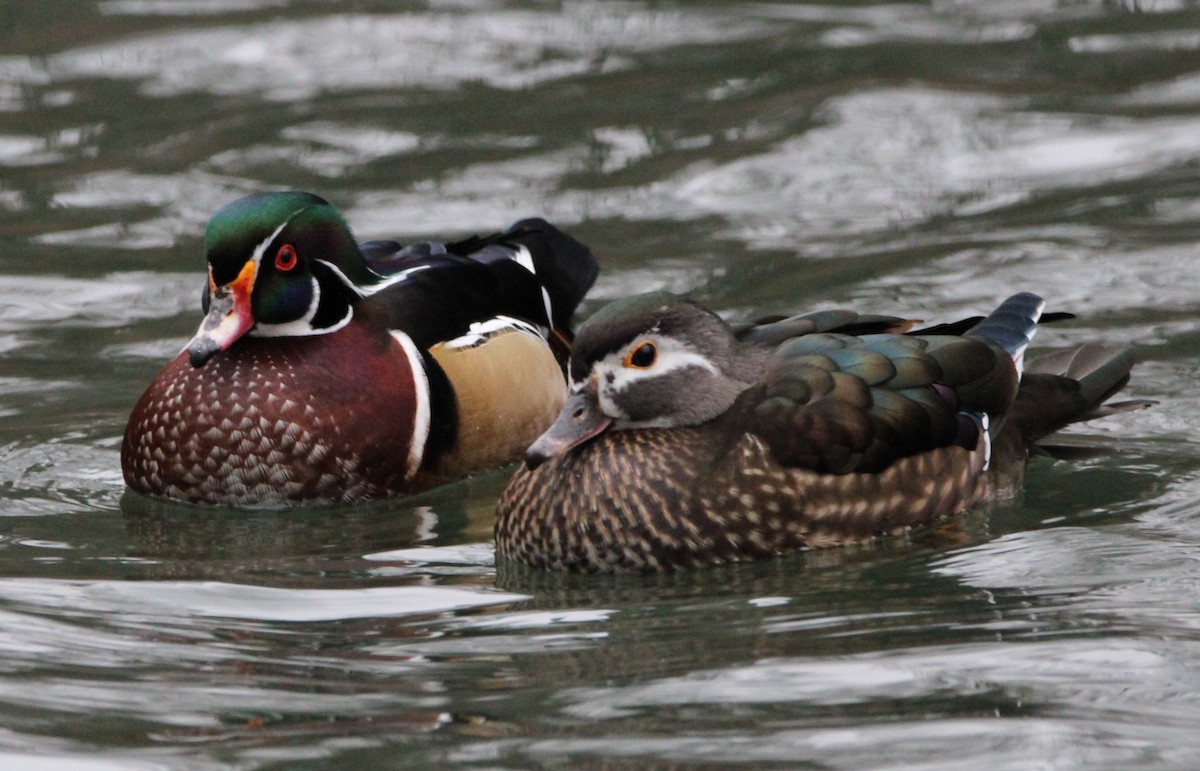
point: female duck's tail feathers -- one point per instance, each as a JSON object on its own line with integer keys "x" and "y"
{"x": 962, "y": 326}
{"x": 1101, "y": 371}
{"x": 1071, "y": 386}
{"x": 1012, "y": 325}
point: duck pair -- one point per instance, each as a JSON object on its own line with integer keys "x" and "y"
{"x": 327, "y": 371}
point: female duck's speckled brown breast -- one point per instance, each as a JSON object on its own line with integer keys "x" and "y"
{"x": 663, "y": 499}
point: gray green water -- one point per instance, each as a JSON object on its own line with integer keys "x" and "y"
{"x": 925, "y": 159}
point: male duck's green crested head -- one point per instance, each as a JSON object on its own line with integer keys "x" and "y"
{"x": 650, "y": 361}
{"x": 279, "y": 264}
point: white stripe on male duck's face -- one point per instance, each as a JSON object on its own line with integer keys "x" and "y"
{"x": 639, "y": 384}
{"x": 230, "y": 313}
{"x": 268, "y": 298}
{"x": 275, "y": 294}
{"x": 257, "y": 255}
{"x": 369, "y": 289}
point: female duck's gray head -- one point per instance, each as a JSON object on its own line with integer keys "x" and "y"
{"x": 651, "y": 361}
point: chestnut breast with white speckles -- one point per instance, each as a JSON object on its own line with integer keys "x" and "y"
{"x": 274, "y": 421}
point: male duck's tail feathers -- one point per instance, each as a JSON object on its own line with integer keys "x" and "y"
{"x": 1012, "y": 325}
{"x": 1071, "y": 386}
{"x": 563, "y": 269}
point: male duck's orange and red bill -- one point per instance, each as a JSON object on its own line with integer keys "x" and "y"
{"x": 327, "y": 371}
{"x": 687, "y": 442}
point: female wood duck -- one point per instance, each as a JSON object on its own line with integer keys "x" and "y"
{"x": 327, "y": 371}
{"x": 686, "y": 442}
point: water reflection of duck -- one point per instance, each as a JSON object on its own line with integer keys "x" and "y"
{"x": 318, "y": 547}
{"x": 687, "y": 442}
{"x": 330, "y": 371}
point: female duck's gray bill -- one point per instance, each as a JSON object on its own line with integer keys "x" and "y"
{"x": 580, "y": 420}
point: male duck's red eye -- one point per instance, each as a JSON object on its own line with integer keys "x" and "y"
{"x": 285, "y": 258}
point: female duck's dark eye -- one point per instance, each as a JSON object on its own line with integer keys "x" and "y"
{"x": 642, "y": 357}
{"x": 285, "y": 258}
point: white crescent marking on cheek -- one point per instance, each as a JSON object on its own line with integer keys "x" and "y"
{"x": 303, "y": 326}
{"x": 603, "y": 369}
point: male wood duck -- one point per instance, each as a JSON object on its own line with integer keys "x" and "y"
{"x": 327, "y": 371}
{"x": 686, "y": 442}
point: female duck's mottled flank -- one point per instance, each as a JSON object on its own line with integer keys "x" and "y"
{"x": 331, "y": 371}
{"x": 686, "y": 442}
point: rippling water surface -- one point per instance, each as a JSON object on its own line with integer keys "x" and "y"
{"x": 915, "y": 158}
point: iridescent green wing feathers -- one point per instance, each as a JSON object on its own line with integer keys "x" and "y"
{"x": 839, "y": 404}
